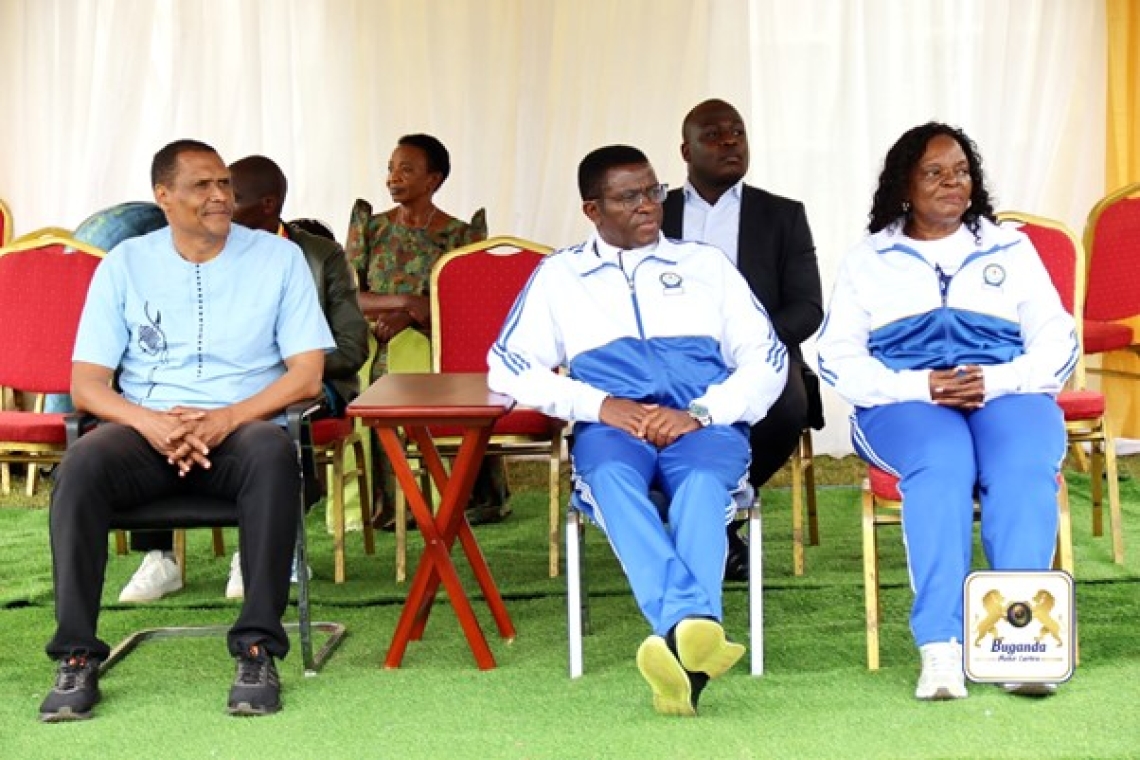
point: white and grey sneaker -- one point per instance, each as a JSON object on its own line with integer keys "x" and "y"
{"x": 235, "y": 586}
{"x": 157, "y": 576}
{"x": 942, "y": 676}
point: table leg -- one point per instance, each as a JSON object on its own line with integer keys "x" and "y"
{"x": 435, "y": 564}
{"x": 454, "y": 524}
{"x": 486, "y": 582}
{"x": 451, "y": 520}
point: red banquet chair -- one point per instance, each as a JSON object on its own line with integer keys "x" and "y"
{"x": 472, "y": 291}
{"x": 43, "y": 285}
{"x": 883, "y": 505}
{"x": 1112, "y": 296}
{"x": 1084, "y": 409}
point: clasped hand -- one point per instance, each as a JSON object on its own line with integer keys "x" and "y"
{"x": 186, "y": 435}
{"x": 962, "y": 387}
{"x": 659, "y": 425}
{"x": 412, "y": 311}
{"x": 390, "y": 323}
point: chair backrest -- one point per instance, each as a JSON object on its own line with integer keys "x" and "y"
{"x": 43, "y": 285}
{"x": 1064, "y": 258}
{"x": 42, "y": 232}
{"x": 5, "y": 223}
{"x": 472, "y": 290}
{"x": 1112, "y": 239}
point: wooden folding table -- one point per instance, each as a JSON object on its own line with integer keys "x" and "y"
{"x": 417, "y": 402}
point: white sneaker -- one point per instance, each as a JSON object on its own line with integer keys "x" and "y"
{"x": 942, "y": 676}
{"x": 157, "y": 576}
{"x": 235, "y": 586}
{"x": 293, "y": 572}
{"x": 1030, "y": 689}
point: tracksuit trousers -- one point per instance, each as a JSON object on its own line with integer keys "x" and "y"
{"x": 1008, "y": 453}
{"x": 675, "y": 570}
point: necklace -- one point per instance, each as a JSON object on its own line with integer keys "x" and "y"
{"x": 405, "y": 219}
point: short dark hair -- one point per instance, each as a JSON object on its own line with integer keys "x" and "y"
{"x": 592, "y": 170}
{"x": 165, "y": 163}
{"x": 438, "y": 159}
{"x": 262, "y": 177}
{"x": 894, "y": 181}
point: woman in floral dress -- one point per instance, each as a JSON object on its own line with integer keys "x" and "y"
{"x": 393, "y": 253}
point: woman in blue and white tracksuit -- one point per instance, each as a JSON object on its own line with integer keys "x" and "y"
{"x": 946, "y": 334}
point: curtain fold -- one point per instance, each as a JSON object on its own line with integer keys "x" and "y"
{"x": 520, "y": 90}
{"x": 1122, "y": 140}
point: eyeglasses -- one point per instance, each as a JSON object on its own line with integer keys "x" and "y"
{"x": 936, "y": 175}
{"x": 631, "y": 199}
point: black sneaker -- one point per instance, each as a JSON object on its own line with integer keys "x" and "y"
{"x": 487, "y": 514}
{"x": 75, "y": 692}
{"x": 256, "y": 689}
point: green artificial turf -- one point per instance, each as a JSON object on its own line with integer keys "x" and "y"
{"x": 816, "y": 699}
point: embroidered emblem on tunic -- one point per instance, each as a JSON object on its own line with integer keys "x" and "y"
{"x": 152, "y": 340}
{"x": 672, "y": 282}
{"x": 994, "y": 274}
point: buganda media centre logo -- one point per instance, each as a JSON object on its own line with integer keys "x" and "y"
{"x": 1019, "y": 627}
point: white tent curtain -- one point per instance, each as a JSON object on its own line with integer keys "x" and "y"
{"x": 520, "y": 90}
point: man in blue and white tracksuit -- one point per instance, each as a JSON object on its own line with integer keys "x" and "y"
{"x": 670, "y": 359}
{"x": 907, "y": 319}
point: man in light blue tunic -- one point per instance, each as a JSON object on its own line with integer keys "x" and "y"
{"x": 214, "y": 330}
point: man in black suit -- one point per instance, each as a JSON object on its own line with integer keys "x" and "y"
{"x": 769, "y": 240}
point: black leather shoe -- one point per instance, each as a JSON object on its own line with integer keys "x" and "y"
{"x": 736, "y": 563}
{"x": 487, "y": 514}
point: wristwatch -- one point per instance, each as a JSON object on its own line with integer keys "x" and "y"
{"x": 700, "y": 413}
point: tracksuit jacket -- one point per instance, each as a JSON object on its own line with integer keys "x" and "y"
{"x": 894, "y": 316}
{"x": 670, "y": 324}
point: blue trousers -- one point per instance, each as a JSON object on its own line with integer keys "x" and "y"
{"x": 1009, "y": 452}
{"x": 675, "y": 570}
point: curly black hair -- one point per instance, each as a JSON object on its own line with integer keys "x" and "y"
{"x": 894, "y": 181}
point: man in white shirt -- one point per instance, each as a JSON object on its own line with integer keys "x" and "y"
{"x": 768, "y": 239}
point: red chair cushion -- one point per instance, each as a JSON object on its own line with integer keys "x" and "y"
{"x": 1081, "y": 405}
{"x": 330, "y": 429}
{"x": 30, "y": 427}
{"x": 883, "y": 484}
{"x": 1100, "y": 337}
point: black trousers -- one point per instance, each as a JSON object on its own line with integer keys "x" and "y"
{"x": 775, "y": 437}
{"x": 113, "y": 467}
